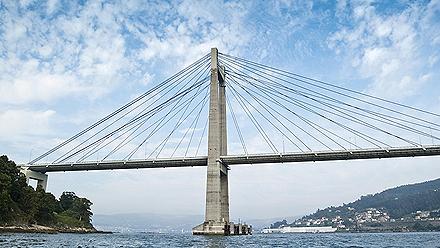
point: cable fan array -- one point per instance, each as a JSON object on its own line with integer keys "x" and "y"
{"x": 294, "y": 113}
{"x": 162, "y": 122}
{"x": 268, "y": 111}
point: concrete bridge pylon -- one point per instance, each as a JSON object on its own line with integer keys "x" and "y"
{"x": 217, "y": 193}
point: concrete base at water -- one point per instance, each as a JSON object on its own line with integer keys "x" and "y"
{"x": 222, "y": 228}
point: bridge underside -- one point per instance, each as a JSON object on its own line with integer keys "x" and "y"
{"x": 241, "y": 159}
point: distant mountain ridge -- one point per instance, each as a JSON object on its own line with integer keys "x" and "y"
{"x": 150, "y": 222}
{"x": 145, "y": 222}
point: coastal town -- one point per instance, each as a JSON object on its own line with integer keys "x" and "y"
{"x": 370, "y": 219}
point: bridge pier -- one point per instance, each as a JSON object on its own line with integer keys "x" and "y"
{"x": 217, "y": 192}
{"x": 40, "y": 177}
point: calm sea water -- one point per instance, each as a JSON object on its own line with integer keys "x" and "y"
{"x": 187, "y": 240}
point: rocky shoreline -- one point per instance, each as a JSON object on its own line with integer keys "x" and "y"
{"x": 48, "y": 230}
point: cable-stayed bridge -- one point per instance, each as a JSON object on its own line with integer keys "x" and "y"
{"x": 224, "y": 110}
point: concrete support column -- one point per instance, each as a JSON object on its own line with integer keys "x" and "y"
{"x": 40, "y": 177}
{"x": 225, "y": 196}
{"x": 223, "y": 144}
{"x": 213, "y": 185}
{"x": 217, "y": 194}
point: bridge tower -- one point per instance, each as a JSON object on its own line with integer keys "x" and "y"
{"x": 217, "y": 194}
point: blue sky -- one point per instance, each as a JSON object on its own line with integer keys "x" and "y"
{"x": 63, "y": 64}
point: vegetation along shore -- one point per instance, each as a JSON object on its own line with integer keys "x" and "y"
{"x": 25, "y": 209}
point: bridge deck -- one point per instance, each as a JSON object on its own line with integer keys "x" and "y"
{"x": 241, "y": 159}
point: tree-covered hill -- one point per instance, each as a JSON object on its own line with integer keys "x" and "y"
{"x": 20, "y": 204}
{"x": 404, "y": 200}
{"x": 397, "y": 209}
{"x": 397, "y": 202}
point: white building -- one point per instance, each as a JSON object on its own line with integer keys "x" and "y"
{"x": 308, "y": 229}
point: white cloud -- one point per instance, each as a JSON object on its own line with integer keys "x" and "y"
{"x": 196, "y": 30}
{"x": 386, "y": 49}
{"x": 85, "y": 50}
{"x": 24, "y": 81}
{"x": 295, "y": 14}
{"x": 16, "y": 123}
{"x": 51, "y": 6}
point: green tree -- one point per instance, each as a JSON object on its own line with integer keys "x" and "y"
{"x": 46, "y": 207}
{"x": 66, "y": 200}
{"x": 77, "y": 210}
{"x": 21, "y": 204}
{"x": 27, "y": 204}
{"x": 6, "y": 208}
{"x": 81, "y": 206}
{"x": 8, "y": 178}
